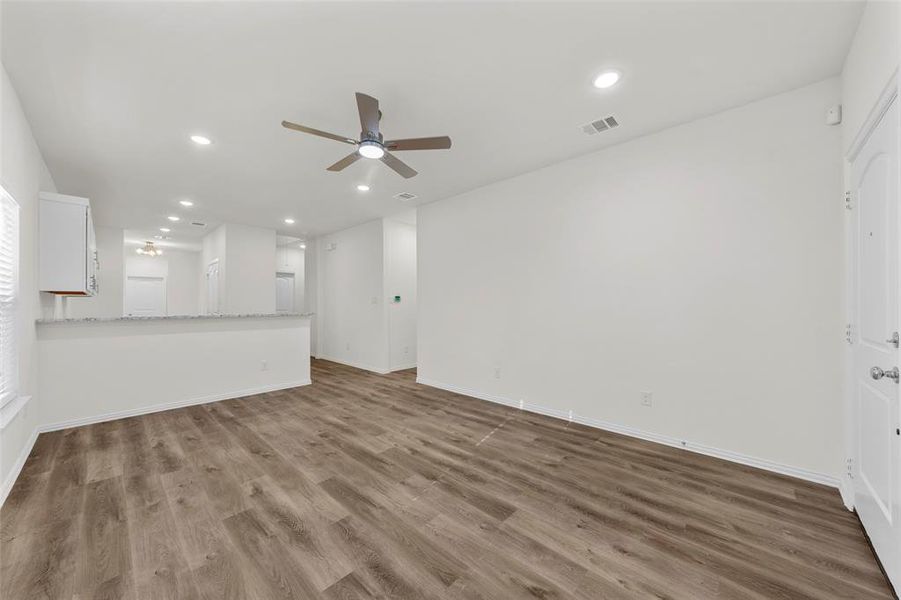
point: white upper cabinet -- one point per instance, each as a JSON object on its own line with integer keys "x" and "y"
{"x": 68, "y": 248}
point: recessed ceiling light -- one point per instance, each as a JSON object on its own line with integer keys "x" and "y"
{"x": 606, "y": 79}
{"x": 186, "y": 203}
{"x": 303, "y": 246}
{"x": 370, "y": 149}
{"x": 289, "y": 221}
{"x": 173, "y": 218}
{"x": 199, "y": 139}
{"x": 165, "y": 229}
{"x": 363, "y": 187}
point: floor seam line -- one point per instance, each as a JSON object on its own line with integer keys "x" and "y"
{"x": 467, "y": 461}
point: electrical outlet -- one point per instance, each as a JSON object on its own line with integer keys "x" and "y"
{"x": 264, "y": 365}
{"x": 406, "y": 349}
{"x": 647, "y": 399}
{"x": 497, "y": 372}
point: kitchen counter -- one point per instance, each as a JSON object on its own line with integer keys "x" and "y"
{"x": 175, "y": 318}
{"x": 108, "y": 368}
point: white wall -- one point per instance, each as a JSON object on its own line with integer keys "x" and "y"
{"x": 246, "y": 279}
{"x": 400, "y": 280}
{"x": 311, "y": 258}
{"x": 99, "y": 371}
{"x": 351, "y": 278}
{"x": 352, "y": 322}
{"x": 702, "y": 263}
{"x": 250, "y": 286}
{"x": 109, "y": 301}
{"x": 23, "y": 174}
{"x": 137, "y": 265}
{"x": 183, "y": 282}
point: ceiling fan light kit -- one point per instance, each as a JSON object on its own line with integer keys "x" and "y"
{"x": 371, "y": 143}
{"x": 371, "y": 149}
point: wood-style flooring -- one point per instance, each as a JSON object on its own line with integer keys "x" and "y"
{"x": 372, "y": 486}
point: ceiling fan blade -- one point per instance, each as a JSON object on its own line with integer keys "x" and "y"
{"x": 325, "y": 134}
{"x": 402, "y": 168}
{"x": 369, "y": 114}
{"x": 427, "y": 143}
{"x": 345, "y": 162}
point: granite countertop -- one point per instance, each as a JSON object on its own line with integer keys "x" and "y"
{"x": 175, "y": 318}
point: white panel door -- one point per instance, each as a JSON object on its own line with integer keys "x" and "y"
{"x": 212, "y": 288}
{"x": 874, "y": 200}
{"x": 284, "y": 292}
{"x": 145, "y": 297}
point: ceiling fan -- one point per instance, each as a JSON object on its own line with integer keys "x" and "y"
{"x": 371, "y": 143}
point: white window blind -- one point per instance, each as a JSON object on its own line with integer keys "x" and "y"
{"x": 9, "y": 297}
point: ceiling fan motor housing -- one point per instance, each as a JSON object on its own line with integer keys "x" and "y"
{"x": 370, "y": 136}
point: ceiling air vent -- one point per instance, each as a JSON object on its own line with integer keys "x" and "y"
{"x": 405, "y": 196}
{"x": 600, "y": 125}
{"x": 198, "y": 224}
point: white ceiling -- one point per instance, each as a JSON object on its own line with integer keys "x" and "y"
{"x": 113, "y": 90}
{"x": 137, "y": 238}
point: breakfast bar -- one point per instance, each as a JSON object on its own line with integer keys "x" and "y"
{"x": 145, "y": 364}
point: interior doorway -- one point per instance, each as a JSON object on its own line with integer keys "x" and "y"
{"x": 145, "y": 296}
{"x": 284, "y": 292}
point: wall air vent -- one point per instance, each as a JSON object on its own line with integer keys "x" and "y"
{"x": 198, "y": 224}
{"x": 405, "y": 196}
{"x": 600, "y": 125}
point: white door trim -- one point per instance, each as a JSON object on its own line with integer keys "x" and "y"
{"x": 866, "y": 129}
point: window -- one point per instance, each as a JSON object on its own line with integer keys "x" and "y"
{"x": 9, "y": 298}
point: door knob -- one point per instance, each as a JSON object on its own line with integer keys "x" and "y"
{"x": 893, "y": 374}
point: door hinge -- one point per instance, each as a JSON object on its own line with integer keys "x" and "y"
{"x": 849, "y": 464}
{"x": 848, "y": 334}
{"x": 848, "y": 200}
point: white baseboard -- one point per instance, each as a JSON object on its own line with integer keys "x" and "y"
{"x": 403, "y": 367}
{"x": 729, "y": 455}
{"x": 17, "y": 467}
{"x": 146, "y": 410}
{"x": 354, "y": 364}
{"x": 846, "y": 488}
